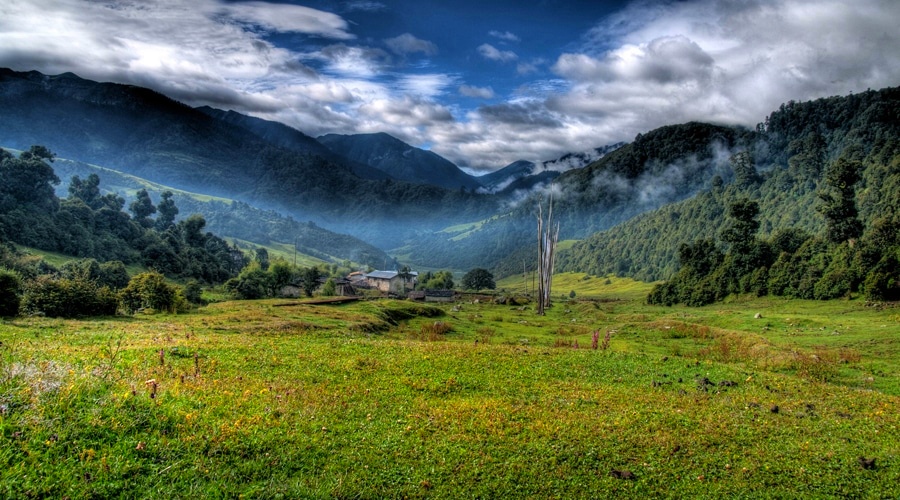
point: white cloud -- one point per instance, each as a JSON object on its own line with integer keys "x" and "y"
{"x": 504, "y": 35}
{"x": 350, "y": 61}
{"x": 730, "y": 62}
{"x": 654, "y": 63}
{"x": 288, "y": 18}
{"x": 525, "y": 68}
{"x": 479, "y": 92}
{"x": 426, "y": 85}
{"x": 488, "y": 51}
{"x": 408, "y": 44}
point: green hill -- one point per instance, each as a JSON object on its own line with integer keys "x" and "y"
{"x": 790, "y": 153}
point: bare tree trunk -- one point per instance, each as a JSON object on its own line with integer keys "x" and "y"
{"x": 547, "y": 241}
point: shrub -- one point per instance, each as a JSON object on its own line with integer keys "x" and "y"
{"x": 114, "y": 275}
{"x": 150, "y": 290}
{"x": 252, "y": 283}
{"x": 68, "y": 298}
{"x": 193, "y": 292}
{"x": 833, "y": 285}
{"x": 329, "y": 288}
{"x": 883, "y": 282}
{"x": 10, "y": 288}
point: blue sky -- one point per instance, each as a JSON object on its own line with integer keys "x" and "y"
{"x": 483, "y": 83}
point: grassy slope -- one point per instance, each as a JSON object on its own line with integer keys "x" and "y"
{"x": 368, "y": 400}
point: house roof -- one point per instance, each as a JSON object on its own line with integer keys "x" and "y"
{"x": 382, "y": 275}
{"x": 387, "y": 275}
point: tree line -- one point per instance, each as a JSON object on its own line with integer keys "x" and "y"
{"x": 96, "y": 229}
{"x": 848, "y": 257}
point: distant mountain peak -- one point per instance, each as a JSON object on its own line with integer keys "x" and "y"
{"x": 400, "y": 160}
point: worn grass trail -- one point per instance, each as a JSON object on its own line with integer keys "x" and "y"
{"x": 372, "y": 400}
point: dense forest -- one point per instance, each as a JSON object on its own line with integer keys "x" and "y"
{"x": 784, "y": 170}
{"x": 88, "y": 224}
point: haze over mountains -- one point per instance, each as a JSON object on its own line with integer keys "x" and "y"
{"x": 407, "y": 201}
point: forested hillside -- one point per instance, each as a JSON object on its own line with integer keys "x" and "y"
{"x": 660, "y": 167}
{"x": 90, "y": 224}
{"x": 234, "y": 219}
{"x": 783, "y": 171}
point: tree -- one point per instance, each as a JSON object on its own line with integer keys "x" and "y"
{"x": 114, "y": 275}
{"x": 442, "y": 280}
{"x": 262, "y": 256}
{"x": 282, "y": 274}
{"x": 167, "y": 212}
{"x": 309, "y": 280}
{"x": 329, "y": 289}
{"x": 142, "y": 208}
{"x": 150, "y": 290}
{"x": 744, "y": 225}
{"x": 839, "y": 201}
{"x": 87, "y": 190}
{"x": 478, "y": 279}
{"x": 744, "y": 170}
{"x": 10, "y": 288}
{"x": 405, "y": 275}
{"x": 252, "y": 283}
{"x": 28, "y": 181}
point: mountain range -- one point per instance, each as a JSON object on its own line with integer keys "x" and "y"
{"x": 423, "y": 209}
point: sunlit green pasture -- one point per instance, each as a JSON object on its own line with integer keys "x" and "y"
{"x": 394, "y": 399}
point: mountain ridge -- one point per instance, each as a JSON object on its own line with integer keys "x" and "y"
{"x": 399, "y": 160}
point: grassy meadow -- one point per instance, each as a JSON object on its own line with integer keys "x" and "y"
{"x": 386, "y": 399}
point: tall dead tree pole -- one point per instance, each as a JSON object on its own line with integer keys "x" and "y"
{"x": 547, "y": 239}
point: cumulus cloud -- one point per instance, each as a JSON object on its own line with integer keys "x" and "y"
{"x": 408, "y": 44}
{"x": 653, "y": 63}
{"x": 488, "y": 51}
{"x": 729, "y": 62}
{"x": 504, "y": 35}
{"x": 478, "y": 92}
{"x": 407, "y": 111}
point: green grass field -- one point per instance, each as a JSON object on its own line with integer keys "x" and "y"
{"x": 388, "y": 399}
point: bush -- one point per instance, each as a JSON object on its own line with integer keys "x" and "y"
{"x": 833, "y": 285}
{"x": 150, "y": 290}
{"x": 68, "y": 298}
{"x": 193, "y": 292}
{"x": 883, "y": 282}
{"x": 114, "y": 275}
{"x": 252, "y": 283}
{"x": 10, "y": 288}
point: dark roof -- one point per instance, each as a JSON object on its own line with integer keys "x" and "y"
{"x": 439, "y": 293}
{"x": 382, "y": 275}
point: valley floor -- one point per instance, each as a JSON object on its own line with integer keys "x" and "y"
{"x": 752, "y": 398}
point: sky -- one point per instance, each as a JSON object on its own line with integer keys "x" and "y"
{"x": 483, "y": 83}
